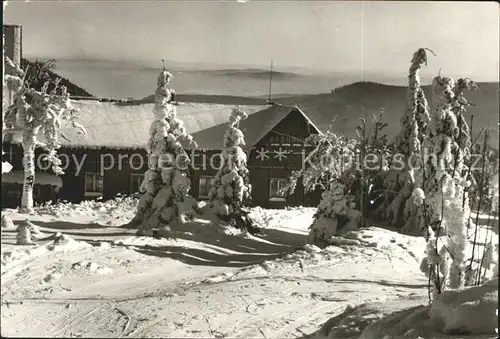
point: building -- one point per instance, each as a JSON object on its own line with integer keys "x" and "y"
{"x": 112, "y": 159}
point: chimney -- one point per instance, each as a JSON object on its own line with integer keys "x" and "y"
{"x": 13, "y": 43}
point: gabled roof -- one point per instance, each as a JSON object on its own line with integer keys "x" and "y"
{"x": 255, "y": 127}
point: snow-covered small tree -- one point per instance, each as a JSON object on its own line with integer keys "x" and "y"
{"x": 374, "y": 158}
{"x": 34, "y": 112}
{"x": 24, "y": 236}
{"x": 166, "y": 183}
{"x": 399, "y": 183}
{"x": 336, "y": 214}
{"x": 446, "y": 205}
{"x": 232, "y": 191}
{"x": 332, "y": 168}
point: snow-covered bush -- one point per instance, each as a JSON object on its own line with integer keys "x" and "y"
{"x": 34, "y": 112}
{"x": 166, "y": 183}
{"x": 231, "y": 190}
{"x": 469, "y": 311}
{"x": 342, "y": 167}
{"x": 24, "y": 236}
{"x": 7, "y": 222}
{"x": 333, "y": 167}
{"x": 462, "y": 313}
{"x": 335, "y": 215}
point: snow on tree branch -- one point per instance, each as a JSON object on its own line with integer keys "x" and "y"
{"x": 231, "y": 190}
{"x": 166, "y": 184}
{"x": 34, "y": 112}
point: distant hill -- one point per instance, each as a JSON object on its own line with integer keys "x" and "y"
{"x": 209, "y": 99}
{"x": 249, "y": 73}
{"x": 124, "y": 79}
{"x": 347, "y": 101}
{"x": 73, "y": 89}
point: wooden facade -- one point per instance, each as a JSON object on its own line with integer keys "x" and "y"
{"x": 106, "y": 172}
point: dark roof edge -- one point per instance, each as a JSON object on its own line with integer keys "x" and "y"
{"x": 308, "y": 119}
{"x": 292, "y": 108}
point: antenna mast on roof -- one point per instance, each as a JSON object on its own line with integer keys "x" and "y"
{"x": 164, "y": 64}
{"x": 269, "y": 101}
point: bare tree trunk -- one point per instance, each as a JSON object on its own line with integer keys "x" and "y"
{"x": 29, "y": 143}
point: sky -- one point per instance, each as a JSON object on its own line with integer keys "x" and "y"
{"x": 322, "y": 35}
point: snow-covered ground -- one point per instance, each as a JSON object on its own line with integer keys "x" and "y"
{"x": 204, "y": 281}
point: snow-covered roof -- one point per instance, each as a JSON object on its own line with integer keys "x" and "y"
{"x": 41, "y": 178}
{"x": 122, "y": 125}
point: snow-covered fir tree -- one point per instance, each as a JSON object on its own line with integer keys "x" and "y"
{"x": 458, "y": 132}
{"x": 232, "y": 191}
{"x": 399, "y": 183}
{"x": 446, "y": 204}
{"x": 459, "y": 107}
{"x": 166, "y": 183}
{"x": 33, "y": 113}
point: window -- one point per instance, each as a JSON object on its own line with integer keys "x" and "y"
{"x": 275, "y": 189}
{"x": 281, "y": 140}
{"x": 136, "y": 180}
{"x": 274, "y": 140}
{"x": 204, "y": 186}
{"x": 93, "y": 184}
{"x": 285, "y": 140}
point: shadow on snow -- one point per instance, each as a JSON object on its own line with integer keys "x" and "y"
{"x": 218, "y": 249}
